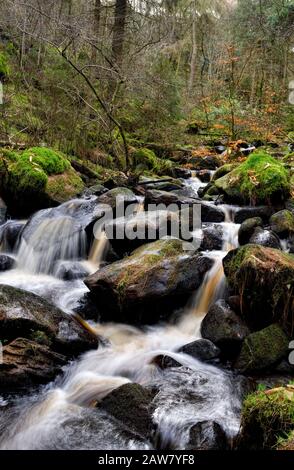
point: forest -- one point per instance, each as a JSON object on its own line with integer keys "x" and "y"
{"x": 147, "y": 225}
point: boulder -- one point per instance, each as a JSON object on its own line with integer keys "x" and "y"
{"x": 23, "y": 314}
{"x": 95, "y": 190}
{"x": 202, "y": 349}
{"x": 3, "y": 211}
{"x": 27, "y": 364}
{"x": 264, "y": 279}
{"x": 128, "y": 233}
{"x": 212, "y": 238}
{"x": 224, "y": 328}
{"x": 9, "y": 234}
{"x": 180, "y": 172}
{"x": 156, "y": 197}
{"x": 224, "y": 170}
{"x": 70, "y": 270}
{"x": 262, "y": 350}
{"x": 247, "y": 229}
{"x": 260, "y": 179}
{"x": 118, "y": 199}
{"x": 210, "y": 162}
{"x": 207, "y": 435}
{"x": 6, "y": 262}
{"x": 265, "y": 238}
{"x": 211, "y": 213}
{"x": 282, "y": 223}
{"x": 131, "y": 404}
{"x": 204, "y": 175}
{"x": 262, "y": 212}
{"x": 149, "y": 285}
{"x": 163, "y": 361}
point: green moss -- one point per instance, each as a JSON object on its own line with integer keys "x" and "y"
{"x": 261, "y": 178}
{"x": 144, "y": 159}
{"x": 51, "y": 161}
{"x": 224, "y": 170}
{"x": 266, "y": 417}
{"x": 4, "y": 67}
{"x": 27, "y": 177}
{"x": 63, "y": 187}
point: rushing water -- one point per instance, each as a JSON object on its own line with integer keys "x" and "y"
{"x": 61, "y": 415}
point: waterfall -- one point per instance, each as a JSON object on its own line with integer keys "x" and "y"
{"x": 99, "y": 249}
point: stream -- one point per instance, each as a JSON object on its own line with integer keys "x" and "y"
{"x": 61, "y": 414}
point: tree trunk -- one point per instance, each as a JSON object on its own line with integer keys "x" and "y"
{"x": 193, "y": 56}
{"x": 96, "y": 27}
{"x": 119, "y": 30}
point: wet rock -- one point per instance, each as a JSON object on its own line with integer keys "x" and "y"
{"x": 224, "y": 170}
{"x": 234, "y": 303}
{"x": 150, "y": 284}
{"x": 26, "y": 364}
{"x": 247, "y": 229}
{"x": 262, "y": 350}
{"x": 184, "y": 173}
{"x": 204, "y": 175}
{"x": 202, "y": 349}
{"x": 212, "y": 238}
{"x": 71, "y": 270}
{"x": 265, "y": 238}
{"x": 6, "y": 262}
{"x": 131, "y": 404}
{"x": 220, "y": 149}
{"x": 264, "y": 212}
{"x": 264, "y": 279}
{"x": 165, "y": 362}
{"x": 211, "y": 213}
{"x": 118, "y": 197}
{"x": 128, "y": 233}
{"x": 289, "y": 205}
{"x": 207, "y": 435}
{"x": 282, "y": 223}
{"x": 96, "y": 190}
{"x": 9, "y": 234}
{"x": 224, "y": 328}
{"x": 22, "y": 313}
{"x": 157, "y": 197}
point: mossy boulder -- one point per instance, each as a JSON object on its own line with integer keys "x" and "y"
{"x": 260, "y": 179}
{"x": 149, "y": 285}
{"x": 265, "y": 238}
{"x": 282, "y": 223}
{"x": 267, "y": 416}
{"x": 263, "y": 350}
{"x": 144, "y": 159}
{"x": 36, "y": 178}
{"x": 264, "y": 279}
{"x": 224, "y": 170}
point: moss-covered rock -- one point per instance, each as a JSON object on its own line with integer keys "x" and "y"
{"x": 264, "y": 279}
{"x": 262, "y": 350}
{"x": 224, "y": 170}
{"x": 267, "y": 416}
{"x": 36, "y": 178}
{"x": 148, "y": 285}
{"x": 282, "y": 223}
{"x": 145, "y": 159}
{"x": 261, "y": 178}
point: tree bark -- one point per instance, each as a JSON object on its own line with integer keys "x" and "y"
{"x": 119, "y": 27}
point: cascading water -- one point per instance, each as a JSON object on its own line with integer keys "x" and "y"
{"x": 60, "y": 417}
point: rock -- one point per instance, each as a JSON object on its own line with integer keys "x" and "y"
{"x": 264, "y": 279}
{"x": 207, "y": 435}
{"x": 96, "y": 190}
{"x": 9, "y": 234}
{"x": 271, "y": 181}
{"x": 209, "y": 162}
{"x": 220, "y": 149}
{"x": 149, "y": 285}
{"x": 224, "y": 170}
{"x": 202, "y": 349}
{"x": 282, "y": 223}
{"x": 247, "y": 229}
{"x": 265, "y": 238}
{"x": 6, "y": 262}
{"x": 156, "y": 197}
{"x": 128, "y": 233}
{"x": 204, "y": 175}
{"x": 224, "y": 328}
{"x": 262, "y": 212}
{"x": 289, "y": 205}
{"x": 118, "y": 198}
{"x": 23, "y": 313}
{"x": 181, "y": 172}
{"x": 212, "y": 238}
{"x": 27, "y": 364}
{"x": 131, "y": 404}
{"x": 165, "y": 362}
{"x": 211, "y": 213}
{"x": 70, "y": 270}
{"x": 262, "y": 350}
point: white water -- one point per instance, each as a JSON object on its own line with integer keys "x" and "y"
{"x": 186, "y": 395}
